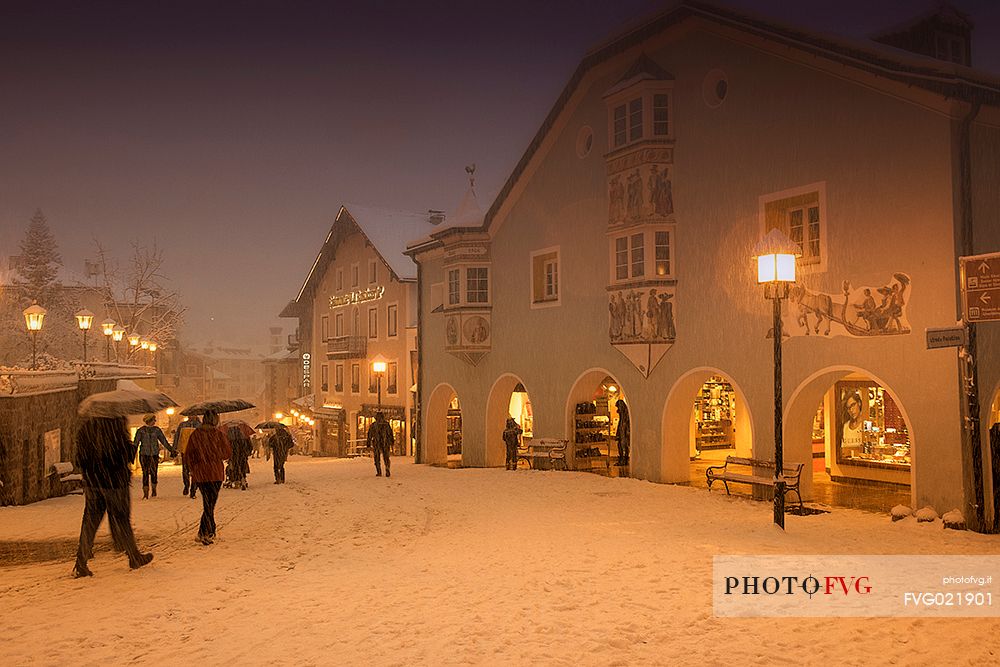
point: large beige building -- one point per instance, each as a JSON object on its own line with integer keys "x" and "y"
{"x": 358, "y": 306}
{"x": 614, "y": 271}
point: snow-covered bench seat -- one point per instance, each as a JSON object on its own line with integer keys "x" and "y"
{"x": 550, "y": 450}
{"x": 760, "y": 473}
{"x": 69, "y": 481}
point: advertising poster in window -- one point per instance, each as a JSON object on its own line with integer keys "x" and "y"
{"x": 870, "y": 429}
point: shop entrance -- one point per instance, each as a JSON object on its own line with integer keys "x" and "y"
{"x": 719, "y": 425}
{"x": 600, "y": 426}
{"x": 394, "y": 415}
{"x": 442, "y": 431}
{"x": 508, "y": 399}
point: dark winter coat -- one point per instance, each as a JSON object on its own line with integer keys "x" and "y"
{"x": 148, "y": 440}
{"x": 104, "y": 452}
{"x": 624, "y": 427}
{"x": 194, "y": 422}
{"x": 511, "y": 434}
{"x": 207, "y": 449}
{"x": 380, "y": 435}
{"x": 281, "y": 443}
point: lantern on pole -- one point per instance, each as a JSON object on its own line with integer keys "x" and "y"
{"x": 33, "y": 317}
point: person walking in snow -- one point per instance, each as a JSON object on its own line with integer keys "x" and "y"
{"x": 148, "y": 439}
{"x": 104, "y": 454}
{"x": 238, "y": 465}
{"x": 207, "y": 451}
{"x": 512, "y": 439}
{"x": 380, "y": 440}
{"x": 280, "y": 443}
{"x": 181, "y": 436}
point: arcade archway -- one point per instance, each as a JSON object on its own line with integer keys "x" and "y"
{"x": 443, "y": 430}
{"x": 508, "y": 398}
{"x": 599, "y": 424}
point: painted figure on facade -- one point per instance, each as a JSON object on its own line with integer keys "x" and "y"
{"x": 616, "y": 308}
{"x": 636, "y": 316}
{"x": 857, "y": 315}
{"x": 616, "y": 200}
{"x": 661, "y": 194}
{"x": 665, "y": 324}
{"x": 623, "y": 434}
{"x": 634, "y": 195}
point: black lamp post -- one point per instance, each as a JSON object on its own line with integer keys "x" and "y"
{"x": 84, "y": 319}
{"x": 378, "y": 367}
{"x": 108, "y": 329}
{"x": 33, "y": 316}
{"x": 117, "y": 334}
{"x": 776, "y": 255}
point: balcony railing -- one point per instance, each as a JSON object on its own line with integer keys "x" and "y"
{"x": 347, "y": 347}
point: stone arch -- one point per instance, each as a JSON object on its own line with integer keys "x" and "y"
{"x": 677, "y": 424}
{"x": 497, "y": 406}
{"x": 800, "y": 409}
{"x": 435, "y": 445}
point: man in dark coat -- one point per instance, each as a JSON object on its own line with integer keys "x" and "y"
{"x": 180, "y": 445}
{"x": 380, "y": 440}
{"x": 623, "y": 434}
{"x": 280, "y": 443}
{"x": 103, "y": 454}
{"x": 148, "y": 440}
{"x": 207, "y": 452}
{"x": 512, "y": 438}
{"x": 238, "y": 465}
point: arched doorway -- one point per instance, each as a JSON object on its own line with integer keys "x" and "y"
{"x": 852, "y": 432}
{"x": 599, "y": 424}
{"x": 508, "y": 398}
{"x": 705, "y": 419}
{"x": 443, "y": 429}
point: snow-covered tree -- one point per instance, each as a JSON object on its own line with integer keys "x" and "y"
{"x": 38, "y": 265}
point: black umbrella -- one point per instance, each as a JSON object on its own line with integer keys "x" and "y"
{"x": 219, "y": 406}
{"x": 270, "y": 424}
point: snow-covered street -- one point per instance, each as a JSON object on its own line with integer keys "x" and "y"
{"x": 437, "y": 566}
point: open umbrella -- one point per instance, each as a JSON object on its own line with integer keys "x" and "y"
{"x": 219, "y": 406}
{"x": 240, "y": 425}
{"x": 128, "y": 399}
{"x": 270, "y": 424}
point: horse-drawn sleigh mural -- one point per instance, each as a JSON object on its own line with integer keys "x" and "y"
{"x": 861, "y": 311}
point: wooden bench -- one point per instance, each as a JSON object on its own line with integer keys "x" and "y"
{"x": 761, "y": 474}
{"x": 551, "y": 450}
{"x": 69, "y": 481}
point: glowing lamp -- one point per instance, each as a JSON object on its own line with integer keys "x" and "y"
{"x": 33, "y": 316}
{"x": 84, "y": 319}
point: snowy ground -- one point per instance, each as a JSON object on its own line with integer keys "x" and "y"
{"x": 437, "y": 566}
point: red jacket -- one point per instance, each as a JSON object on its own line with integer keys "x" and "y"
{"x": 205, "y": 453}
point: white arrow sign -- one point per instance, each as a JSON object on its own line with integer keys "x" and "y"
{"x": 984, "y": 267}
{"x": 985, "y": 298}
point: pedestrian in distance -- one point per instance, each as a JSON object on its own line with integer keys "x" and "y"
{"x": 207, "y": 451}
{"x": 380, "y": 441}
{"x": 181, "y": 437}
{"x": 104, "y": 453}
{"x": 512, "y": 439}
{"x": 280, "y": 443}
{"x": 239, "y": 466}
{"x": 148, "y": 439}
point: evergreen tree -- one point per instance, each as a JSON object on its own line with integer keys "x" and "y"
{"x": 39, "y": 262}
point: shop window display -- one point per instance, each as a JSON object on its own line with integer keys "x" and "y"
{"x": 454, "y": 427}
{"x": 714, "y": 414}
{"x": 870, "y": 429}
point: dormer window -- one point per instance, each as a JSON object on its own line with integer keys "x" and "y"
{"x": 639, "y": 104}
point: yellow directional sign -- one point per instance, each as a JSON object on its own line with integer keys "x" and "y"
{"x": 981, "y": 287}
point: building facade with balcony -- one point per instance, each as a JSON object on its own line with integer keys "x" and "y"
{"x": 613, "y": 275}
{"x": 357, "y": 305}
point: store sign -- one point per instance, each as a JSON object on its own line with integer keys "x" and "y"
{"x": 981, "y": 287}
{"x": 306, "y": 370}
{"x": 945, "y": 337}
{"x": 357, "y": 296}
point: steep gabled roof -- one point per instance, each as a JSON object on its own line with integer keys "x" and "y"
{"x": 946, "y": 79}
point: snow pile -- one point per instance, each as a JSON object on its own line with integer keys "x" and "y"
{"x": 900, "y": 512}
{"x": 926, "y": 515}
{"x": 954, "y": 519}
{"x": 435, "y": 566}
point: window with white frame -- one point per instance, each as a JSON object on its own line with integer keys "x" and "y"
{"x": 392, "y": 320}
{"x": 356, "y": 328}
{"x": 373, "y": 379}
{"x": 340, "y": 279}
{"x": 391, "y": 378}
{"x": 373, "y": 322}
{"x": 545, "y": 276}
{"x": 642, "y": 115}
{"x": 324, "y": 328}
{"x": 338, "y": 378}
{"x": 454, "y": 294}
{"x": 800, "y": 214}
{"x": 324, "y": 372}
{"x": 635, "y": 119}
{"x": 618, "y": 126}
{"x": 338, "y": 324}
{"x": 372, "y": 271}
{"x": 633, "y": 253}
{"x": 354, "y": 275}
{"x": 662, "y": 253}
{"x": 638, "y": 255}
{"x": 661, "y": 115}
{"x": 355, "y": 379}
{"x": 477, "y": 284}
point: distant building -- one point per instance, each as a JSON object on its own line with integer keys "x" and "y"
{"x": 358, "y": 305}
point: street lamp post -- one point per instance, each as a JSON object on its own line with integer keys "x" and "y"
{"x": 152, "y": 353}
{"x": 378, "y": 367}
{"x": 33, "y": 316}
{"x": 133, "y": 343}
{"x": 117, "y": 334}
{"x": 145, "y": 346}
{"x": 84, "y": 319}
{"x": 776, "y": 255}
{"x": 108, "y": 329}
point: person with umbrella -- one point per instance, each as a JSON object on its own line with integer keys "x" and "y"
{"x": 181, "y": 437}
{"x": 239, "y": 433}
{"x": 103, "y": 454}
{"x": 380, "y": 440}
{"x": 148, "y": 439}
{"x": 207, "y": 451}
{"x": 280, "y": 444}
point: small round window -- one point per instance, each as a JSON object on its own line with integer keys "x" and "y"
{"x": 584, "y": 141}
{"x": 715, "y": 87}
